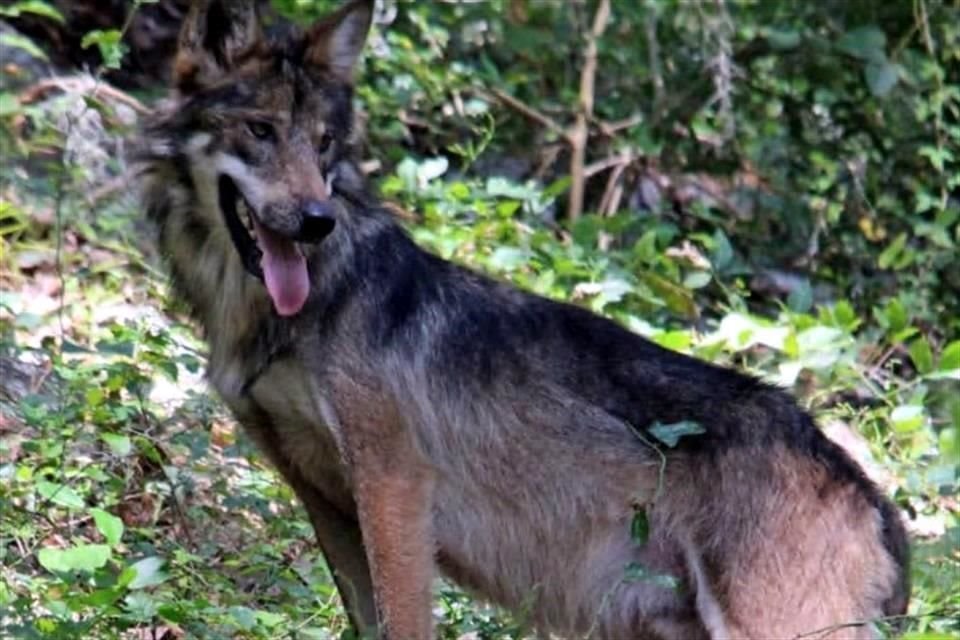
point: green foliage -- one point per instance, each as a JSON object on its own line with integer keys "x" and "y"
{"x": 842, "y": 138}
{"x": 37, "y": 7}
{"x": 130, "y": 505}
{"x": 109, "y": 45}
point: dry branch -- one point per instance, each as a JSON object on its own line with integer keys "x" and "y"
{"x": 531, "y": 113}
{"x": 579, "y": 132}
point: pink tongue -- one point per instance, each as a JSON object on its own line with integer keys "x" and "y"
{"x": 284, "y": 272}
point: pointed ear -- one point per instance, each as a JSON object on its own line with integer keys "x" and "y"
{"x": 214, "y": 35}
{"x": 336, "y": 41}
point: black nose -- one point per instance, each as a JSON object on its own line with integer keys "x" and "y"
{"x": 317, "y": 220}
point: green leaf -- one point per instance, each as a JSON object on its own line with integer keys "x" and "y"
{"x": 243, "y": 617}
{"x": 722, "y": 254}
{"x": 36, "y": 7}
{"x": 459, "y": 190}
{"x": 108, "y": 44}
{"x": 950, "y": 358}
{"x": 800, "y": 299}
{"x": 115, "y": 347}
{"x": 890, "y": 254}
{"x": 126, "y": 576}
{"x": 140, "y": 606}
{"x": 949, "y": 443}
{"x": 894, "y": 315}
{"x": 697, "y": 279}
{"x": 922, "y": 355}
{"x": 148, "y": 573}
{"x": 432, "y": 168}
{"x": 610, "y": 291}
{"x": 783, "y": 39}
{"x": 508, "y": 259}
{"x": 640, "y": 526}
{"x": 268, "y": 619}
{"x": 100, "y": 37}
{"x": 557, "y": 187}
{"x": 636, "y": 572}
{"x": 86, "y": 557}
{"x": 670, "y": 434}
{"x": 677, "y": 298}
{"x": 69, "y": 346}
{"x": 17, "y": 41}
{"x": 8, "y": 104}
{"x": 60, "y": 494}
{"x": 109, "y": 525}
{"x": 174, "y": 613}
{"x": 645, "y": 249}
{"x": 907, "y": 418}
{"x": 674, "y": 340}
{"x": 103, "y": 597}
{"x": 507, "y": 208}
{"x": 864, "y": 43}
{"x": 936, "y": 156}
{"x": 928, "y": 635}
{"x": 119, "y": 444}
{"x": 881, "y": 77}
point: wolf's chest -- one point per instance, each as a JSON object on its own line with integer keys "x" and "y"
{"x": 295, "y": 420}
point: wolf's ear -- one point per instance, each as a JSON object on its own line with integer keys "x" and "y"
{"x": 336, "y": 41}
{"x": 214, "y": 35}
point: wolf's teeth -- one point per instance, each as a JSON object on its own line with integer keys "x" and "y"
{"x": 245, "y": 213}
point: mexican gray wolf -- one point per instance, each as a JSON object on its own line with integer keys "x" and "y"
{"x": 434, "y": 421}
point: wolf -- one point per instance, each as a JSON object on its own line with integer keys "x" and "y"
{"x": 436, "y": 421}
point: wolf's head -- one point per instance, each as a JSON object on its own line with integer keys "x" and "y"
{"x": 262, "y": 126}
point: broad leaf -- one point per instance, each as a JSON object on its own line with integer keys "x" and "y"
{"x": 148, "y": 573}
{"x": 670, "y": 434}
{"x": 881, "y": 77}
{"x": 60, "y": 494}
{"x": 86, "y": 557}
{"x": 109, "y": 525}
{"x": 865, "y": 43}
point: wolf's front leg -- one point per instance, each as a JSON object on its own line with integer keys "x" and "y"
{"x": 338, "y": 535}
{"x": 336, "y": 527}
{"x": 394, "y": 509}
{"x": 393, "y": 490}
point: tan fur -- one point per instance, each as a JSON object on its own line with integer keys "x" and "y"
{"x": 521, "y": 490}
{"x": 809, "y": 555}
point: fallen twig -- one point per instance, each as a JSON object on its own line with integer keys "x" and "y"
{"x": 80, "y": 84}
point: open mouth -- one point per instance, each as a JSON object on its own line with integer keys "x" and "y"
{"x": 241, "y": 230}
{"x": 272, "y": 257}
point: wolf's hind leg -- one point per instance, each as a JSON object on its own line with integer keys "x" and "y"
{"x": 801, "y": 554}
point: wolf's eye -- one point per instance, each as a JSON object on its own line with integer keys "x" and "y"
{"x": 260, "y": 130}
{"x": 324, "y": 143}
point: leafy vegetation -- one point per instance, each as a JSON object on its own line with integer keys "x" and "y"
{"x": 769, "y": 185}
